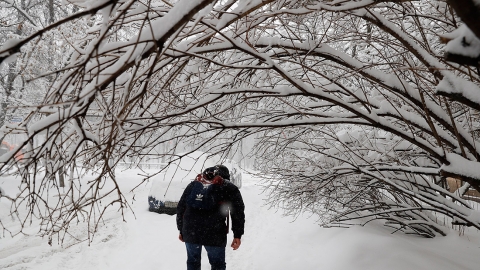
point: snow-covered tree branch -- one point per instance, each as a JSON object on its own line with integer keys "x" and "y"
{"x": 352, "y": 105}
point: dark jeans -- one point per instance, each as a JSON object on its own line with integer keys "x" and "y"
{"x": 216, "y": 256}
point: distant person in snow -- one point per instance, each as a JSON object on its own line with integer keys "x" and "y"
{"x": 203, "y": 217}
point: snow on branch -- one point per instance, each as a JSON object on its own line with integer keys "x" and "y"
{"x": 340, "y": 105}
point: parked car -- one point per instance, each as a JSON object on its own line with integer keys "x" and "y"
{"x": 167, "y": 188}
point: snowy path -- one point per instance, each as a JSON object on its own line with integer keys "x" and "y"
{"x": 271, "y": 242}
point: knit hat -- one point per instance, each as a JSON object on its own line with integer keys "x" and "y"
{"x": 223, "y": 171}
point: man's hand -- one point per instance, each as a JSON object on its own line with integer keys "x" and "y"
{"x": 236, "y": 243}
{"x": 180, "y": 237}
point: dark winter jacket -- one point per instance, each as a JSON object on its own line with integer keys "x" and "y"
{"x": 209, "y": 227}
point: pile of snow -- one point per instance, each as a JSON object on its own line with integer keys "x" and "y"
{"x": 271, "y": 242}
{"x": 463, "y": 42}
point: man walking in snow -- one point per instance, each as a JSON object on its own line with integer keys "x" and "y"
{"x": 202, "y": 217}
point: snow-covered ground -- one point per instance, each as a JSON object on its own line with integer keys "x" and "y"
{"x": 271, "y": 241}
